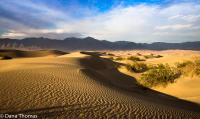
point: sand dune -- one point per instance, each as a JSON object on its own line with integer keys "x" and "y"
{"x": 39, "y": 53}
{"x": 82, "y": 85}
{"x": 185, "y": 88}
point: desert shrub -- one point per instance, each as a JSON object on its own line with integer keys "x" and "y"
{"x": 152, "y": 56}
{"x": 160, "y": 75}
{"x": 110, "y": 54}
{"x": 119, "y": 58}
{"x": 158, "y": 56}
{"x": 148, "y": 56}
{"x": 111, "y": 58}
{"x": 117, "y": 65}
{"x": 197, "y": 70}
{"x": 139, "y": 54}
{"x": 134, "y": 58}
{"x": 189, "y": 67}
{"x": 5, "y": 57}
{"x": 128, "y": 67}
{"x": 183, "y": 64}
{"x": 136, "y": 67}
{"x": 197, "y": 66}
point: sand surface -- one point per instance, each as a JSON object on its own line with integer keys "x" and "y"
{"x": 185, "y": 87}
{"x": 82, "y": 86}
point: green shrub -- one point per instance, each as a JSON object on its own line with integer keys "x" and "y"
{"x": 134, "y": 58}
{"x": 160, "y": 75}
{"x": 136, "y": 67}
{"x": 148, "y": 56}
{"x": 189, "y": 67}
{"x": 183, "y": 64}
{"x": 119, "y": 58}
{"x": 117, "y": 65}
{"x": 197, "y": 66}
{"x": 139, "y": 54}
{"x": 128, "y": 67}
{"x": 110, "y": 54}
{"x": 158, "y": 56}
{"x": 152, "y": 56}
{"x": 197, "y": 70}
{"x": 111, "y": 58}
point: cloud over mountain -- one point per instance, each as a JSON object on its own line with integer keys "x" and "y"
{"x": 143, "y": 22}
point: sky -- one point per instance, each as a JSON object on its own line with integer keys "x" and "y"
{"x": 141, "y": 21}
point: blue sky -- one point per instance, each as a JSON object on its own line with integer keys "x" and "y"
{"x": 113, "y": 20}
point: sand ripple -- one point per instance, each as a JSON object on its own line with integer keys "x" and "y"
{"x": 82, "y": 87}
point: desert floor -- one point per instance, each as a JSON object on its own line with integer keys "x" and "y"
{"x": 83, "y": 85}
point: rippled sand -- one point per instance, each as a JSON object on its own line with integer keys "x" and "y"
{"x": 82, "y": 86}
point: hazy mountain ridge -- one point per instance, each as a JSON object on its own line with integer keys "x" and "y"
{"x": 90, "y": 43}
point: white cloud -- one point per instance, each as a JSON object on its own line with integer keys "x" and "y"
{"x": 174, "y": 27}
{"x": 189, "y": 18}
{"x": 13, "y": 35}
{"x": 140, "y": 23}
{"x": 53, "y": 34}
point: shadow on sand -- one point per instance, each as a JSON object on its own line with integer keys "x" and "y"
{"x": 104, "y": 71}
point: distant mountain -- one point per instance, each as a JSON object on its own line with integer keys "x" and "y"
{"x": 90, "y": 43}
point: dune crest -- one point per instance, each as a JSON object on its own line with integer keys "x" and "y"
{"x": 25, "y": 54}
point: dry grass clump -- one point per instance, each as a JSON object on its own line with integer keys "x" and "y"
{"x": 134, "y": 58}
{"x": 160, "y": 75}
{"x": 137, "y": 67}
{"x": 5, "y": 57}
{"x": 190, "y": 67}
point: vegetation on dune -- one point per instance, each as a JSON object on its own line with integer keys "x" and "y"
{"x": 148, "y": 56}
{"x": 139, "y": 54}
{"x": 160, "y": 75}
{"x": 134, "y": 58}
{"x": 119, "y": 58}
{"x": 117, "y": 65}
{"x": 136, "y": 67}
{"x": 110, "y": 54}
{"x": 111, "y": 58}
{"x": 190, "y": 67}
{"x": 152, "y": 56}
{"x": 158, "y": 56}
{"x": 197, "y": 66}
{"x": 183, "y": 64}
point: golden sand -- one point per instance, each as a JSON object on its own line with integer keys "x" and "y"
{"x": 82, "y": 86}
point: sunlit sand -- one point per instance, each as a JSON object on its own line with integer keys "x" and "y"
{"x": 84, "y": 85}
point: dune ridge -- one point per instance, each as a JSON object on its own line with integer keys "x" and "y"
{"x": 40, "y": 53}
{"x": 82, "y": 85}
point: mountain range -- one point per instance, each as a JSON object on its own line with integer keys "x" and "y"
{"x": 90, "y": 43}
